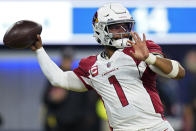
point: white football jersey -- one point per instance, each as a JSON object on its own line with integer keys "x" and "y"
{"x": 126, "y": 86}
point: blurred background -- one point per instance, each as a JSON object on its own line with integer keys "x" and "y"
{"x": 28, "y": 102}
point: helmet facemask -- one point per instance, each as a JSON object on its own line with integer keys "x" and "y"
{"x": 117, "y": 39}
{"x": 119, "y": 32}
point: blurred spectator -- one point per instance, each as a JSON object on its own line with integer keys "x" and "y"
{"x": 1, "y": 121}
{"x": 168, "y": 89}
{"x": 190, "y": 92}
{"x": 67, "y": 110}
{"x": 101, "y": 112}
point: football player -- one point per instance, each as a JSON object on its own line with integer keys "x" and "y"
{"x": 124, "y": 74}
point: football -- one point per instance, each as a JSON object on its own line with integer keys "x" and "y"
{"x": 22, "y": 34}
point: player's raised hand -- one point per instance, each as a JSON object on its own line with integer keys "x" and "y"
{"x": 38, "y": 43}
{"x": 141, "y": 51}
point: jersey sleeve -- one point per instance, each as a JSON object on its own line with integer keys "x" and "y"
{"x": 82, "y": 71}
{"x": 154, "y": 48}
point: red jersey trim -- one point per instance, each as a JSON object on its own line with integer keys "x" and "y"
{"x": 150, "y": 86}
{"x": 85, "y": 84}
{"x": 84, "y": 68}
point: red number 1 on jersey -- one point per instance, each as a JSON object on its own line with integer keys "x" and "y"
{"x": 119, "y": 90}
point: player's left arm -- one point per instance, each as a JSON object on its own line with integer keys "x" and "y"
{"x": 165, "y": 67}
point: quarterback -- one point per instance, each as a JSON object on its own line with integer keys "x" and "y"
{"x": 123, "y": 74}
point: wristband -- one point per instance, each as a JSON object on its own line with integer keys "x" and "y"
{"x": 175, "y": 69}
{"x": 151, "y": 59}
{"x": 39, "y": 50}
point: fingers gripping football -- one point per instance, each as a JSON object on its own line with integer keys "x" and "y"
{"x": 38, "y": 44}
{"x": 141, "y": 51}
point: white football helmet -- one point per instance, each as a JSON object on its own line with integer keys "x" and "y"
{"x": 111, "y": 15}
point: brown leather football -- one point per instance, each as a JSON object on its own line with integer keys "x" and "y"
{"x": 22, "y": 34}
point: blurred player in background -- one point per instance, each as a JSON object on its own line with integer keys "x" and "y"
{"x": 67, "y": 110}
{"x": 189, "y": 90}
{"x": 124, "y": 74}
{"x": 1, "y": 120}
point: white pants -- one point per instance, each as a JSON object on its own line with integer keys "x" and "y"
{"x": 163, "y": 126}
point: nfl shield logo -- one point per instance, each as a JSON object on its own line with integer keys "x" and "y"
{"x": 94, "y": 71}
{"x": 108, "y": 64}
